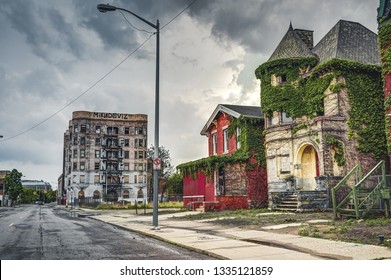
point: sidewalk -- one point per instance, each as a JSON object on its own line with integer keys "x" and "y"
{"x": 237, "y": 243}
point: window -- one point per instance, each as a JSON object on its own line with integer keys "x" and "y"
{"x": 83, "y": 128}
{"x": 126, "y": 154}
{"x": 220, "y": 182}
{"x": 126, "y": 179}
{"x": 96, "y": 194}
{"x": 126, "y": 143}
{"x": 225, "y": 142}
{"x": 97, "y": 141}
{"x": 75, "y": 128}
{"x": 141, "y": 131}
{"x": 97, "y": 166}
{"x": 138, "y": 154}
{"x": 97, "y": 153}
{"x": 112, "y": 130}
{"x": 140, "y": 143}
{"x": 82, "y": 140}
{"x": 139, "y": 167}
{"x": 74, "y": 140}
{"x": 135, "y": 179}
{"x": 74, "y": 167}
{"x": 82, "y": 153}
{"x": 214, "y": 143}
{"x": 238, "y": 134}
{"x": 285, "y": 118}
{"x": 97, "y": 129}
{"x": 125, "y": 194}
{"x": 82, "y": 165}
{"x": 82, "y": 178}
{"x": 74, "y": 153}
{"x": 126, "y": 166}
{"x": 127, "y": 131}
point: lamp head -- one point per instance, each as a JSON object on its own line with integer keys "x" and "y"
{"x": 103, "y": 8}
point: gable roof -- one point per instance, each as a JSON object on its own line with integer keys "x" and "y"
{"x": 349, "y": 40}
{"x": 235, "y": 111}
{"x": 292, "y": 46}
{"x": 346, "y": 40}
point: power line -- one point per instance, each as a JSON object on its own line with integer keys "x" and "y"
{"x": 83, "y": 93}
{"x": 104, "y": 76}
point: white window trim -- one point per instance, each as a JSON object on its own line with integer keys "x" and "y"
{"x": 225, "y": 141}
{"x": 214, "y": 143}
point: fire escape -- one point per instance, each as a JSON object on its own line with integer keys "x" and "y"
{"x": 111, "y": 168}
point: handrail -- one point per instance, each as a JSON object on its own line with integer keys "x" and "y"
{"x": 355, "y": 170}
{"x": 367, "y": 203}
{"x": 369, "y": 173}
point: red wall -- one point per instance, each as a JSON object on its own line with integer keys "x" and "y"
{"x": 222, "y": 120}
{"x": 203, "y": 185}
{"x": 193, "y": 187}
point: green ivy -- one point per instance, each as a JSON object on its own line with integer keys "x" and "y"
{"x": 385, "y": 51}
{"x": 339, "y": 151}
{"x": 251, "y": 148}
{"x": 303, "y": 94}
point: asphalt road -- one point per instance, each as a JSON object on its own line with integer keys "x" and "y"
{"x": 38, "y": 232}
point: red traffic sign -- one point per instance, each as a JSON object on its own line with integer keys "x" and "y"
{"x": 157, "y": 164}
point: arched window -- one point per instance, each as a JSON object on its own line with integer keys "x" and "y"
{"x": 140, "y": 193}
{"x": 96, "y": 194}
{"x": 125, "y": 194}
{"x": 81, "y": 194}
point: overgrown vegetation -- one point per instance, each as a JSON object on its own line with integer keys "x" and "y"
{"x": 302, "y": 93}
{"x": 251, "y": 148}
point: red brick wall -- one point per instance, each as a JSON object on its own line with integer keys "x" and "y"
{"x": 222, "y": 120}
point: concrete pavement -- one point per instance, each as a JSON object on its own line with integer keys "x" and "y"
{"x": 237, "y": 243}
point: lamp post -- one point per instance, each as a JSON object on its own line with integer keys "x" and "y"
{"x": 108, "y": 8}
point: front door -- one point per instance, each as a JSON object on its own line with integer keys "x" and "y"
{"x": 309, "y": 168}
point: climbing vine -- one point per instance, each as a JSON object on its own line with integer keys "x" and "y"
{"x": 385, "y": 51}
{"x": 338, "y": 147}
{"x": 251, "y": 148}
{"x": 303, "y": 92}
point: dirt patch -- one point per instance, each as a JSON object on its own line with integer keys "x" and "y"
{"x": 374, "y": 230}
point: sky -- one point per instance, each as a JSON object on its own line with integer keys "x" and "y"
{"x": 63, "y": 56}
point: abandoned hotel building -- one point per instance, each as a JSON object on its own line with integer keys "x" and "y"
{"x": 105, "y": 157}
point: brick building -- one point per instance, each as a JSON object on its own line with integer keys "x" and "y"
{"x": 233, "y": 176}
{"x": 105, "y": 157}
{"x": 324, "y": 112}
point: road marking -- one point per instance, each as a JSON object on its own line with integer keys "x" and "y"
{"x": 11, "y": 225}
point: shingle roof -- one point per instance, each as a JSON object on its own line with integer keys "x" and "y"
{"x": 351, "y": 41}
{"x": 234, "y": 110}
{"x": 346, "y": 40}
{"x": 291, "y": 46}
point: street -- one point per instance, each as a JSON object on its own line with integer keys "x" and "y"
{"x": 42, "y": 232}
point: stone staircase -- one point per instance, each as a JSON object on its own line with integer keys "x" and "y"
{"x": 289, "y": 203}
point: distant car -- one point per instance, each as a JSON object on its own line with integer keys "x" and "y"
{"x": 39, "y": 202}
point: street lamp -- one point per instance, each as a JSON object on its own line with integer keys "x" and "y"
{"x": 109, "y": 8}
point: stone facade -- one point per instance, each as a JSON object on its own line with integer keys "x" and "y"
{"x": 304, "y": 154}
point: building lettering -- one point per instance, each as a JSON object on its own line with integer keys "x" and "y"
{"x": 110, "y": 116}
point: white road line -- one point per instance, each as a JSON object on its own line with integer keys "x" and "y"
{"x": 11, "y": 225}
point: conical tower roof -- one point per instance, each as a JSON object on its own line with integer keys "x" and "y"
{"x": 291, "y": 46}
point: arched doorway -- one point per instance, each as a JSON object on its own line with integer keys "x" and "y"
{"x": 112, "y": 195}
{"x": 81, "y": 194}
{"x": 309, "y": 167}
{"x": 96, "y": 194}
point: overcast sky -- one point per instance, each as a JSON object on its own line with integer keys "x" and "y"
{"x": 53, "y": 51}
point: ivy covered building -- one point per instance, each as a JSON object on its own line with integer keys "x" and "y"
{"x": 233, "y": 176}
{"x": 324, "y": 112}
